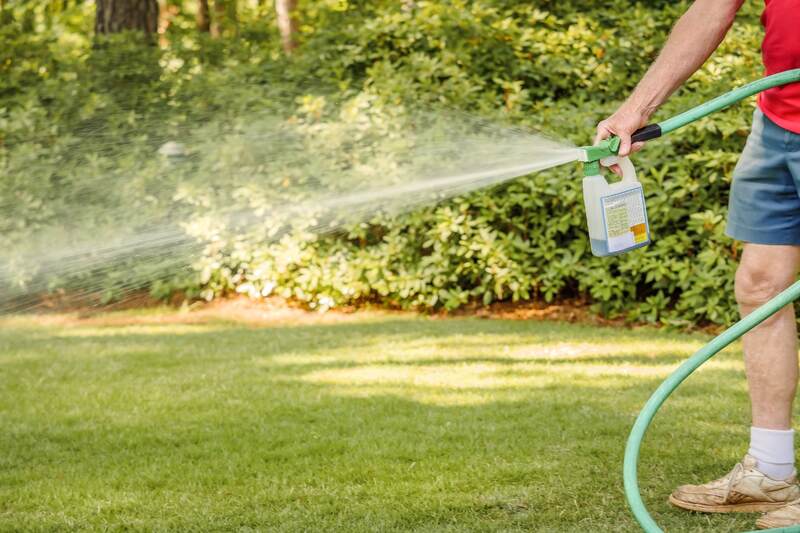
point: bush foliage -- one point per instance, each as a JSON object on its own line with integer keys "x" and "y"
{"x": 558, "y": 67}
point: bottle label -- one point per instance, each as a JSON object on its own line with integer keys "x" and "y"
{"x": 625, "y": 220}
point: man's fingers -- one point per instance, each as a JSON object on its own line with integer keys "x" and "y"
{"x": 615, "y": 168}
{"x": 624, "y": 144}
{"x": 602, "y": 133}
{"x": 607, "y": 128}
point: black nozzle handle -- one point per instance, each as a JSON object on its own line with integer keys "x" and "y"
{"x": 651, "y": 131}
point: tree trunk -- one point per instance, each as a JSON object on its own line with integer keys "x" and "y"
{"x": 225, "y": 18}
{"x": 218, "y": 23}
{"x": 119, "y": 15}
{"x": 287, "y": 23}
{"x": 203, "y": 18}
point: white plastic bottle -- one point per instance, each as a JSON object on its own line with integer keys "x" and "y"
{"x": 616, "y": 213}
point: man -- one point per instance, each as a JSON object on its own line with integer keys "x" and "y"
{"x": 764, "y": 213}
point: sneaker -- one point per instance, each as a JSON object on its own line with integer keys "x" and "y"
{"x": 743, "y": 490}
{"x": 788, "y": 515}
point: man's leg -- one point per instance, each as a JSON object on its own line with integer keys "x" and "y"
{"x": 770, "y": 355}
{"x": 771, "y": 348}
{"x": 764, "y": 479}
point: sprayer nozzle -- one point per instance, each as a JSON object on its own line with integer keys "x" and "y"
{"x": 600, "y": 150}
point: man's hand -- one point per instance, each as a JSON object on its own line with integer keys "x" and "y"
{"x": 696, "y": 35}
{"x": 626, "y": 120}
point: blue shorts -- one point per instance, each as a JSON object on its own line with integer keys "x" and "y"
{"x": 764, "y": 205}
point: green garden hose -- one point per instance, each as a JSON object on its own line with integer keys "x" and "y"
{"x": 721, "y": 341}
{"x": 652, "y": 131}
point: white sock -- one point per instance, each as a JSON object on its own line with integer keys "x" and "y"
{"x": 774, "y": 451}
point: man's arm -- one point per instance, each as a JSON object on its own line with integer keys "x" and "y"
{"x": 693, "y": 39}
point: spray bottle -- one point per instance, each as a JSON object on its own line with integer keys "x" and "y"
{"x": 615, "y": 212}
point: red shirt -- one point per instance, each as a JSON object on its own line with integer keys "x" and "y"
{"x": 781, "y": 51}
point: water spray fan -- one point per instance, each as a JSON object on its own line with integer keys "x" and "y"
{"x": 603, "y": 204}
{"x": 616, "y": 213}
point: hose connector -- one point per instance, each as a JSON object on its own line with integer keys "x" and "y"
{"x": 591, "y": 155}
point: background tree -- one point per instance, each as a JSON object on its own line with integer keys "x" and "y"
{"x": 203, "y": 16}
{"x": 119, "y": 15}
{"x": 287, "y": 23}
{"x": 225, "y": 18}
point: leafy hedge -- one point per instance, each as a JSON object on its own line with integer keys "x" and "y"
{"x": 554, "y": 66}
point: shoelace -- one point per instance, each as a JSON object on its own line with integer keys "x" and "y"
{"x": 736, "y": 470}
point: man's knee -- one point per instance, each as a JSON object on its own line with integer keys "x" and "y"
{"x": 758, "y": 282}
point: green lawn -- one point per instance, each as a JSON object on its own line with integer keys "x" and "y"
{"x": 380, "y": 423}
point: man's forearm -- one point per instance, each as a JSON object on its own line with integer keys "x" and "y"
{"x": 693, "y": 39}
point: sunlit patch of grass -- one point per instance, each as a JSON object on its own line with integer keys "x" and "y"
{"x": 486, "y": 376}
{"x": 141, "y": 330}
{"x": 497, "y": 348}
{"x": 391, "y": 423}
{"x": 461, "y": 383}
